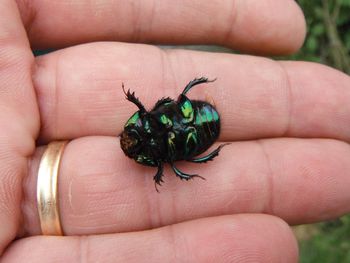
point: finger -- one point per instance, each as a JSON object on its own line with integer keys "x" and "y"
{"x": 102, "y": 191}
{"x": 255, "y": 97}
{"x": 19, "y": 118}
{"x": 240, "y": 238}
{"x": 254, "y": 26}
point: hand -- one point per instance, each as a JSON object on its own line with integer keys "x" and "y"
{"x": 288, "y": 123}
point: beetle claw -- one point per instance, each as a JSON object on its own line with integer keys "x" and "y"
{"x": 201, "y": 177}
{"x": 156, "y": 187}
{"x": 184, "y": 176}
{"x": 158, "y": 180}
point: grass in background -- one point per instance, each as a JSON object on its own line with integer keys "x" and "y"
{"x": 328, "y": 39}
{"x": 327, "y": 242}
{"x": 328, "y": 42}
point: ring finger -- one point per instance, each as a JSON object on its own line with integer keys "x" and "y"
{"x": 101, "y": 191}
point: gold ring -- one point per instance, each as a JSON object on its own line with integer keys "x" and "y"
{"x": 47, "y": 194}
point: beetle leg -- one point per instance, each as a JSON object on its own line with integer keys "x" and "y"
{"x": 191, "y": 142}
{"x": 195, "y": 82}
{"x": 162, "y": 102}
{"x": 132, "y": 98}
{"x": 158, "y": 177}
{"x": 184, "y": 176}
{"x": 171, "y": 145}
{"x": 208, "y": 157}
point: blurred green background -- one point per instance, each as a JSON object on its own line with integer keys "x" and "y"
{"x": 328, "y": 42}
{"x": 328, "y": 39}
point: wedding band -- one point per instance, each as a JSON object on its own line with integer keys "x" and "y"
{"x": 47, "y": 194}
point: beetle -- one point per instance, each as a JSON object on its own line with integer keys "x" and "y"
{"x": 171, "y": 131}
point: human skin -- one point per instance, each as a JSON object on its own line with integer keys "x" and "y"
{"x": 288, "y": 161}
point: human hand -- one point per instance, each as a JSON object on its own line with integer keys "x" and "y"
{"x": 288, "y": 122}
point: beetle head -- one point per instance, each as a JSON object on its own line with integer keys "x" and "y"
{"x": 130, "y": 139}
{"x": 136, "y": 139}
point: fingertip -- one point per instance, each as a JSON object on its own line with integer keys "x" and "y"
{"x": 299, "y": 32}
{"x": 295, "y": 23}
{"x": 254, "y": 238}
{"x": 269, "y": 27}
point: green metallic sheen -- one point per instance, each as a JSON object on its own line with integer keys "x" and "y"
{"x": 171, "y": 144}
{"x": 133, "y": 120}
{"x": 187, "y": 110}
{"x": 172, "y": 131}
{"x": 191, "y": 140}
{"x": 165, "y": 120}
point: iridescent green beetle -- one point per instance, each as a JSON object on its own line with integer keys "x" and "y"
{"x": 171, "y": 131}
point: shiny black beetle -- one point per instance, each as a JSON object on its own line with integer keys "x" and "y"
{"x": 171, "y": 131}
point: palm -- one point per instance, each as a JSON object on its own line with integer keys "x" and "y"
{"x": 76, "y": 94}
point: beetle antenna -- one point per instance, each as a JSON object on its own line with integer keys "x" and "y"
{"x": 132, "y": 98}
{"x": 195, "y": 82}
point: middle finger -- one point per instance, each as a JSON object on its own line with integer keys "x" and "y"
{"x": 79, "y": 91}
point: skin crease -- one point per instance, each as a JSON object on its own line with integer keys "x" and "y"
{"x": 109, "y": 208}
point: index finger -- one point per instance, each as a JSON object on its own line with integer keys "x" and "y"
{"x": 273, "y": 26}
{"x": 19, "y": 118}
